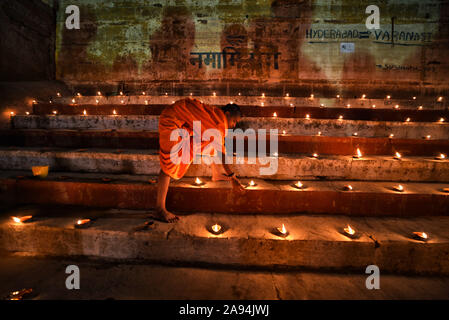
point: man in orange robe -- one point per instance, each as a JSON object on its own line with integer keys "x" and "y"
{"x": 181, "y": 117}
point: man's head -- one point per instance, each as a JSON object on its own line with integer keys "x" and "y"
{"x": 233, "y": 114}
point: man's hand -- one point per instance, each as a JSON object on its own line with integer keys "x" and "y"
{"x": 237, "y": 186}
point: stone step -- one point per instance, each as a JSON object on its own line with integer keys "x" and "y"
{"x": 283, "y": 166}
{"x": 286, "y": 143}
{"x": 351, "y": 113}
{"x": 367, "y": 198}
{"x": 331, "y": 102}
{"x": 313, "y": 242}
{"x": 293, "y": 126}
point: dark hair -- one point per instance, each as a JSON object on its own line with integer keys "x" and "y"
{"x": 233, "y": 109}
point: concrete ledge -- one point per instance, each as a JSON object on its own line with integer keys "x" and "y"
{"x": 293, "y": 126}
{"x": 293, "y": 166}
{"x": 286, "y": 143}
{"x": 275, "y": 197}
{"x": 352, "y": 113}
{"x": 314, "y": 242}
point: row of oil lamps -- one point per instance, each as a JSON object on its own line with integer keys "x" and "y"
{"x": 299, "y": 185}
{"x": 214, "y": 94}
{"x": 217, "y": 229}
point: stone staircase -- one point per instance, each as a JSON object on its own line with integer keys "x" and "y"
{"x": 103, "y": 157}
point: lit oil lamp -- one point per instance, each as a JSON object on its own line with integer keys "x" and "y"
{"x": 442, "y": 156}
{"x": 373, "y": 106}
{"x": 397, "y": 156}
{"x": 275, "y": 115}
{"x": 347, "y": 187}
{"x": 421, "y": 236}
{"x": 348, "y": 106}
{"x": 355, "y": 134}
{"x": 216, "y": 229}
{"x": 284, "y": 132}
{"x": 263, "y": 95}
{"x": 307, "y": 116}
{"x": 114, "y": 112}
{"x": 282, "y": 231}
{"x": 440, "y": 99}
{"x": 27, "y": 113}
{"x": 12, "y": 113}
{"x": 146, "y": 102}
{"x": 82, "y": 223}
{"x": 240, "y": 93}
{"x": 198, "y": 182}
{"x": 322, "y": 105}
{"x": 214, "y": 94}
{"x": 441, "y": 120}
{"x": 420, "y": 108}
{"x": 388, "y": 97}
{"x": 122, "y": 101}
{"x": 315, "y": 156}
{"x": 73, "y": 101}
{"x": 363, "y": 96}
{"x": 78, "y": 94}
{"x": 291, "y": 104}
{"x": 319, "y": 133}
{"x": 312, "y": 96}
{"x": 84, "y": 113}
{"x": 22, "y": 219}
{"x": 340, "y": 117}
{"x": 391, "y": 136}
{"x": 407, "y": 120}
{"x": 58, "y": 95}
{"x": 166, "y": 94}
{"x": 414, "y": 98}
{"x": 34, "y": 101}
{"x": 276, "y": 154}
{"x": 338, "y": 96}
{"x": 398, "y": 188}
{"x": 287, "y": 95}
{"x": 358, "y": 155}
{"x": 262, "y": 104}
{"x": 299, "y": 185}
{"x": 19, "y": 295}
{"x": 349, "y": 232}
{"x": 55, "y": 112}
{"x": 97, "y": 101}
{"x": 427, "y": 137}
{"x": 251, "y": 184}
{"x": 144, "y": 93}
{"x": 396, "y": 106}
{"x": 121, "y": 93}
{"x": 99, "y": 93}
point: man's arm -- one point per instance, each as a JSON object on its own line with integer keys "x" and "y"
{"x": 229, "y": 173}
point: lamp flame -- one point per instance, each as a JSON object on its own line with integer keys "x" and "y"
{"x": 275, "y": 114}
{"x": 21, "y": 219}
{"x": 359, "y": 154}
{"x": 399, "y": 188}
{"x": 82, "y": 222}
{"x": 421, "y": 235}
{"x": 198, "y": 181}
{"x": 85, "y": 113}
{"x": 397, "y": 156}
{"x": 282, "y": 230}
{"x": 216, "y": 228}
{"x": 299, "y": 185}
{"x": 348, "y": 187}
{"x": 348, "y": 230}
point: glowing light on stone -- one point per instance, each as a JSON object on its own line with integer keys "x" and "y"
{"x": 347, "y": 188}
{"x": 252, "y": 184}
{"x": 322, "y": 105}
{"x": 78, "y": 94}
{"x": 263, "y": 95}
{"x": 98, "y": 93}
{"x": 97, "y": 101}
{"x": 338, "y": 96}
{"x": 315, "y": 155}
{"x": 396, "y": 106}
{"x": 364, "y": 96}
{"x": 114, "y": 112}
{"x": 340, "y": 117}
{"x": 398, "y": 188}
{"x": 262, "y": 104}
{"x": 308, "y": 116}
{"x": 427, "y": 137}
{"x": 441, "y": 120}
{"x": 319, "y": 133}
{"x": 84, "y": 113}
{"x": 397, "y": 156}
{"x": 27, "y": 113}
{"x": 122, "y": 101}
{"x": 391, "y": 136}
{"x": 58, "y": 94}
{"x": 34, "y": 101}
{"x": 82, "y": 223}
{"x": 388, "y": 97}
{"x": 143, "y": 93}
{"x": 146, "y": 102}
{"x": 373, "y": 106}
{"x": 55, "y": 112}
{"x": 198, "y": 182}
{"x": 442, "y": 156}
{"x": 298, "y": 185}
{"x": 283, "y": 132}
{"x": 440, "y": 99}
{"x": 121, "y": 93}
{"x": 355, "y": 134}
{"x": 287, "y": 95}
{"x": 407, "y": 120}
{"x": 73, "y": 101}
{"x": 12, "y": 113}
{"x": 275, "y": 115}
{"x": 414, "y": 98}
{"x": 22, "y": 219}
{"x": 348, "y": 106}
{"x": 420, "y": 108}
{"x": 312, "y": 96}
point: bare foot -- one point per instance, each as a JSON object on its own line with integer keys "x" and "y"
{"x": 165, "y": 216}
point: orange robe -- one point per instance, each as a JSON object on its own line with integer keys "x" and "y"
{"x": 181, "y": 115}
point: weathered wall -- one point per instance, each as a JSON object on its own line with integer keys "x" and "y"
{"x": 27, "y": 41}
{"x": 255, "y": 41}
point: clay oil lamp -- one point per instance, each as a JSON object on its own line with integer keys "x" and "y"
{"x": 442, "y": 156}
{"x": 312, "y": 96}
{"x": 373, "y": 106}
{"x": 281, "y": 231}
{"x": 397, "y": 156}
{"x": 355, "y": 134}
{"x": 73, "y": 100}
{"x": 114, "y": 113}
{"x": 23, "y": 219}
{"x": 398, "y": 188}
{"x": 307, "y": 116}
{"x": 421, "y": 236}
{"x": 407, "y": 120}
{"x": 299, "y": 185}
{"x": 391, "y": 136}
{"x": 358, "y": 155}
{"x": 396, "y": 107}
{"x": 388, "y": 97}
{"x": 315, "y": 156}
{"x": 84, "y": 113}
{"x": 58, "y": 95}
{"x": 319, "y": 133}
{"x": 251, "y": 184}
{"x": 216, "y": 229}
{"x": 420, "y": 108}
{"x": 363, "y": 96}
{"x": 340, "y": 117}
{"x": 143, "y": 93}
{"x": 78, "y": 94}
{"x": 275, "y": 115}
{"x": 198, "y": 182}
{"x": 347, "y": 187}
{"x": 82, "y": 223}
{"x": 440, "y": 99}
{"x": 55, "y": 112}
{"x": 441, "y": 120}
{"x": 349, "y": 232}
